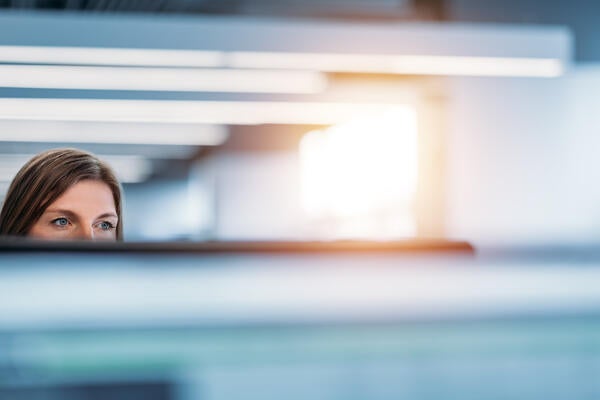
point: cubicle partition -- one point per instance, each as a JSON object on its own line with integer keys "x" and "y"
{"x": 343, "y": 320}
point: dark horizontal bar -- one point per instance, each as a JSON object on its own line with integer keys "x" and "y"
{"x": 421, "y": 246}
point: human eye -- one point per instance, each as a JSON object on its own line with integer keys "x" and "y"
{"x": 60, "y": 222}
{"x": 106, "y": 226}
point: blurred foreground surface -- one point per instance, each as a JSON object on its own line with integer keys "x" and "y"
{"x": 298, "y": 325}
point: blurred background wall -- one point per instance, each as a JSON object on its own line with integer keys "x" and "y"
{"x": 499, "y": 159}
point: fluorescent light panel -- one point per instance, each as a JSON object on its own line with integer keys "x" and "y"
{"x": 161, "y": 79}
{"x": 111, "y": 132}
{"x": 401, "y": 64}
{"x": 326, "y": 62}
{"x": 185, "y": 112}
{"x": 129, "y": 168}
{"x": 110, "y": 56}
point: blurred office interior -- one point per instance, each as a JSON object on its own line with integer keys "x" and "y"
{"x": 480, "y": 114}
{"x": 410, "y": 184}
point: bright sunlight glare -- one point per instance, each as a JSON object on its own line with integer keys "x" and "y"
{"x": 361, "y": 176}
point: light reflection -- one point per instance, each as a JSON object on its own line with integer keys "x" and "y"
{"x": 161, "y": 79}
{"x": 361, "y": 176}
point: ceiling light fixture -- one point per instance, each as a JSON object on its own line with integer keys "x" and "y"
{"x": 110, "y": 56}
{"x": 129, "y": 168}
{"x": 161, "y": 79}
{"x": 112, "y": 132}
{"x": 413, "y": 64}
{"x": 186, "y": 112}
{"x": 401, "y": 64}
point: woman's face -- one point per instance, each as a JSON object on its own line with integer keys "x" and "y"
{"x": 85, "y": 211}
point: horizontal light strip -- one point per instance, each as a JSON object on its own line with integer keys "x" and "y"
{"x": 112, "y": 132}
{"x": 185, "y": 112}
{"x": 129, "y": 168}
{"x": 215, "y": 289}
{"x": 401, "y": 64}
{"x": 110, "y": 56}
{"x": 161, "y": 79}
{"x": 326, "y": 62}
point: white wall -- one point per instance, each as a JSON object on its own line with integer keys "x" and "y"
{"x": 521, "y": 168}
{"x": 258, "y": 196}
{"x": 167, "y": 210}
{"x": 522, "y": 164}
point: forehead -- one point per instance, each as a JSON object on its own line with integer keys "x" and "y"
{"x": 86, "y": 195}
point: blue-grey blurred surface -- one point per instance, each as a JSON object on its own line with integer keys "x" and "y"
{"x": 506, "y": 159}
{"x": 370, "y": 325}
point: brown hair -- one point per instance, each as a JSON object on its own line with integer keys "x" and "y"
{"x": 46, "y": 177}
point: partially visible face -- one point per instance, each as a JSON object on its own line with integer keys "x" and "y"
{"x": 86, "y": 211}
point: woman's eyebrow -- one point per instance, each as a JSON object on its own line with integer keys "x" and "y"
{"x": 108, "y": 214}
{"x": 68, "y": 213}
{"x": 73, "y": 215}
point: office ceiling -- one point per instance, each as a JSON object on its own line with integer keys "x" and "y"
{"x": 379, "y": 9}
{"x": 579, "y": 15}
{"x": 190, "y": 6}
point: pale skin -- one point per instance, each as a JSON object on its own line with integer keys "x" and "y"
{"x": 85, "y": 211}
